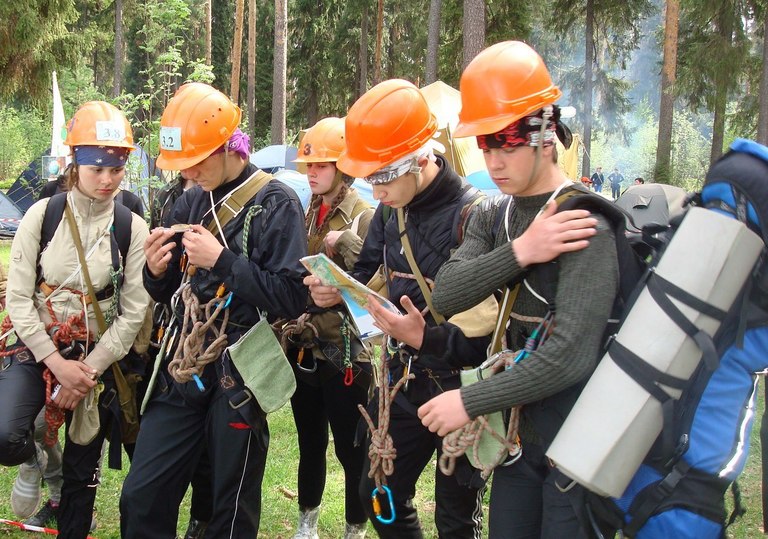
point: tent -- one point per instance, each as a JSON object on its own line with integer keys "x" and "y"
{"x": 275, "y": 157}
{"x": 462, "y": 153}
{"x": 652, "y": 202}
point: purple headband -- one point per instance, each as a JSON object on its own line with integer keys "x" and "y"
{"x": 238, "y": 143}
{"x": 101, "y": 156}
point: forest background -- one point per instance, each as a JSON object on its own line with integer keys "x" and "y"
{"x": 659, "y": 88}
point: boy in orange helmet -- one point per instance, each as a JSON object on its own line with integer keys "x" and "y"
{"x": 389, "y": 143}
{"x": 508, "y": 104}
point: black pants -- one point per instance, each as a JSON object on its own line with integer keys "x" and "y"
{"x": 178, "y": 422}
{"x": 22, "y": 396}
{"x": 458, "y": 497}
{"x": 315, "y": 406}
{"x": 527, "y": 501}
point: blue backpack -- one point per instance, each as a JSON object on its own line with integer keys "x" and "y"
{"x": 679, "y": 490}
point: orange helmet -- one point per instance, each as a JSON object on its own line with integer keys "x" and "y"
{"x": 323, "y": 142}
{"x": 505, "y": 82}
{"x": 97, "y": 123}
{"x": 198, "y": 120}
{"x": 388, "y": 122}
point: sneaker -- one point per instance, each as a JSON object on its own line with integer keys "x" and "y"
{"x": 45, "y": 517}
{"x": 27, "y": 488}
{"x": 196, "y": 529}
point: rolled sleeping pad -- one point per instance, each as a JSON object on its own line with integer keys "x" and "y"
{"x": 614, "y": 423}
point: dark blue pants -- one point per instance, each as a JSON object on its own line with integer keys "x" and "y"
{"x": 179, "y": 421}
{"x": 526, "y": 502}
{"x": 328, "y": 402}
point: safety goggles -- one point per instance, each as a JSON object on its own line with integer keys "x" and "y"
{"x": 393, "y": 172}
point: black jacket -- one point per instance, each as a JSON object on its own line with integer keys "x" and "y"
{"x": 270, "y": 278}
{"x": 430, "y": 227}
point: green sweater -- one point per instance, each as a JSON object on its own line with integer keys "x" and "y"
{"x": 586, "y": 287}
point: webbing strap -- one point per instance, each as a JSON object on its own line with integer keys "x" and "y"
{"x": 233, "y": 205}
{"x": 655, "y": 497}
{"x": 661, "y": 290}
{"x": 425, "y": 291}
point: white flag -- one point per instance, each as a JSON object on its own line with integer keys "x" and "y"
{"x": 59, "y": 130}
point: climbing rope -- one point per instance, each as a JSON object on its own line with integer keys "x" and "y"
{"x": 458, "y": 442}
{"x": 293, "y": 333}
{"x": 191, "y": 357}
{"x": 381, "y": 450}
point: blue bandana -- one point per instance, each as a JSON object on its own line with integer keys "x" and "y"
{"x": 101, "y": 156}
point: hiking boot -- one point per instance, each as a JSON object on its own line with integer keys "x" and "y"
{"x": 196, "y": 529}
{"x": 45, "y": 517}
{"x": 355, "y": 531}
{"x": 27, "y": 489}
{"x": 308, "y": 518}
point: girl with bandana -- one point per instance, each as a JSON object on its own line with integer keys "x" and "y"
{"x": 62, "y": 359}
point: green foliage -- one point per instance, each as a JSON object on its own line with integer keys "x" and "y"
{"x": 23, "y": 136}
{"x": 36, "y": 37}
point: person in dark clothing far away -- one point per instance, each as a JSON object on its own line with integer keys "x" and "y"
{"x": 598, "y": 179}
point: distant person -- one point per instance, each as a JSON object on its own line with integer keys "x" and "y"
{"x": 639, "y": 181}
{"x": 586, "y": 182}
{"x": 597, "y": 179}
{"x": 616, "y": 180}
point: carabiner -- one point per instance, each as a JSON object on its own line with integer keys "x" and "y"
{"x": 226, "y": 300}
{"x": 377, "y": 505}
{"x": 349, "y": 376}
{"x": 199, "y": 382}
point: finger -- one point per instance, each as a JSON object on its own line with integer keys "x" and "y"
{"x": 571, "y": 215}
{"x": 197, "y": 229}
{"x": 311, "y": 280}
{"x": 408, "y": 305}
{"x": 572, "y": 246}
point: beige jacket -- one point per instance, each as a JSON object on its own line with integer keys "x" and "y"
{"x": 26, "y": 305}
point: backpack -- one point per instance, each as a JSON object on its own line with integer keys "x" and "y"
{"x": 706, "y": 417}
{"x": 120, "y": 233}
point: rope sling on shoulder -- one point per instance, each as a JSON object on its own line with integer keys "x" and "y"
{"x": 190, "y": 358}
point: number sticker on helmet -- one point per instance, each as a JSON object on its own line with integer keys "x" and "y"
{"x": 108, "y": 130}
{"x": 170, "y": 138}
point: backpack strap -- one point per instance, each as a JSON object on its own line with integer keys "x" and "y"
{"x": 120, "y": 233}
{"x": 234, "y": 204}
{"x": 470, "y": 198}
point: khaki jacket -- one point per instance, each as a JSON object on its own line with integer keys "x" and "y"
{"x": 353, "y": 216}
{"x": 59, "y": 263}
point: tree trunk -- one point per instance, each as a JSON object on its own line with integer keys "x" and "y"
{"x": 588, "y": 64}
{"x": 280, "y": 72}
{"x": 662, "y": 174}
{"x": 379, "y": 39}
{"x": 394, "y": 37}
{"x": 473, "y": 29}
{"x": 718, "y": 125}
{"x": 362, "y": 59}
{"x": 237, "y": 50}
{"x": 208, "y": 31}
{"x": 433, "y": 39}
{"x": 762, "y": 116}
{"x": 251, "y": 105}
{"x": 117, "y": 78}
